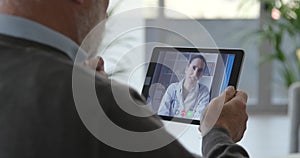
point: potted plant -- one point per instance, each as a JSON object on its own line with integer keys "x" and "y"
{"x": 282, "y": 24}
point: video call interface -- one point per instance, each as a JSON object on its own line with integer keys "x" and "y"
{"x": 166, "y": 92}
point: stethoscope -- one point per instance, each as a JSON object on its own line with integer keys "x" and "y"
{"x": 173, "y": 101}
{"x": 178, "y": 111}
{"x": 175, "y": 109}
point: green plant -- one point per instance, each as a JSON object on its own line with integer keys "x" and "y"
{"x": 282, "y": 22}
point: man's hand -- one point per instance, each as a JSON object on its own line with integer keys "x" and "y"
{"x": 97, "y": 64}
{"x": 227, "y": 111}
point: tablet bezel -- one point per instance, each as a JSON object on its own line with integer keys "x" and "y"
{"x": 233, "y": 79}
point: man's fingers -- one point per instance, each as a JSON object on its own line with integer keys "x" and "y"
{"x": 229, "y": 93}
{"x": 241, "y": 95}
{"x": 237, "y": 128}
{"x": 97, "y": 64}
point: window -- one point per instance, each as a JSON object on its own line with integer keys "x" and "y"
{"x": 212, "y": 9}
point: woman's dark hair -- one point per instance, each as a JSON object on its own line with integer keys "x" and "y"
{"x": 200, "y": 57}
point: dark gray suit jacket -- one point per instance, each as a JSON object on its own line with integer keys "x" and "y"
{"x": 38, "y": 117}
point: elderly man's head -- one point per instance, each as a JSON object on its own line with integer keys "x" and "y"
{"x": 73, "y": 18}
{"x": 91, "y": 13}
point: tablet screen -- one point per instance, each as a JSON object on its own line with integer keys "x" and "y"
{"x": 180, "y": 82}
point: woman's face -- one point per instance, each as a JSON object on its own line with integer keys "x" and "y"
{"x": 194, "y": 70}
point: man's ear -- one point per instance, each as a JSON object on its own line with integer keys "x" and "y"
{"x": 79, "y": 1}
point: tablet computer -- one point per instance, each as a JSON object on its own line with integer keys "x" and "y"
{"x": 180, "y": 82}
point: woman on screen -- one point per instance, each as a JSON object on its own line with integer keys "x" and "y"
{"x": 187, "y": 98}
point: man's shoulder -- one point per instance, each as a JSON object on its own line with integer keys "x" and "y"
{"x": 18, "y": 46}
